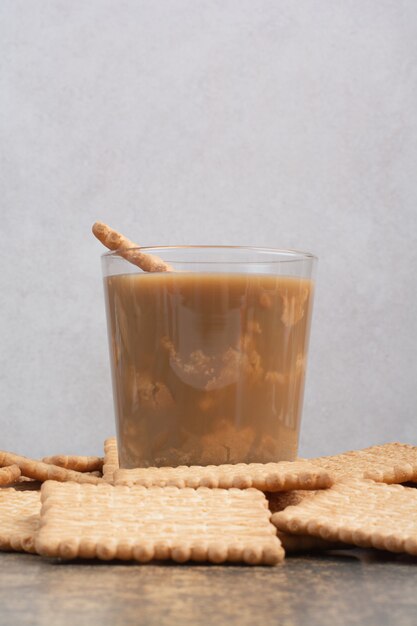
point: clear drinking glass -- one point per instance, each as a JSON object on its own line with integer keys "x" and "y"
{"x": 208, "y": 360}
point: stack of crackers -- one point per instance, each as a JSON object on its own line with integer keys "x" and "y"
{"x": 87, "y": 507}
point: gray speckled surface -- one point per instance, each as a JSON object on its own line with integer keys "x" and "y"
{"x": 337, "y": 589}
{"x": 267, "y": 122}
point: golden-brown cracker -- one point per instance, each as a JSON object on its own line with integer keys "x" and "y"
{"x": 19, "y": 518}
{"x": 359, "y": 512}
{"x": 128, "y": 250}
{"x": 43, "y": 471}
{"x": 9, "y": 474}
{"x": 386, "y": 463}
{"x": 282, "y": 476}
{"x": 76, "y": 463}
{"x": 111, "y": 459}
{"x": 159, "y": 523}
{"x": 389, "y": 463}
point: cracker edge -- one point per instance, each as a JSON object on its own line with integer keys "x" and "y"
{"x": 111, "y": 460}
{"x": 310, "y": 478}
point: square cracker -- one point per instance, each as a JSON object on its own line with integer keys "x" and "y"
{"x": 360, "y": 512}
{"x": 19, "y": 519}
{"x": 282, "y": 476}
{"x": 143, "y": 524}
{"x": 111, "y": 459}
{"x": 388, "y": 463}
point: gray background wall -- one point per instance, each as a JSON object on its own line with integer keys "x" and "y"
{"x": 263, "y": 122}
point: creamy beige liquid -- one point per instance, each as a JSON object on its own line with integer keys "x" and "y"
{"x": 207, "y": 368}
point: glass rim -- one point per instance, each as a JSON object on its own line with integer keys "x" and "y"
{"x": 295, "y": 255}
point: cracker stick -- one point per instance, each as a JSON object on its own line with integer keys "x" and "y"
{"x": 9, "y": 474}
{"x": 19, "y": 519}
{"x": 106, "y": 522}
{"x": 77, "y": 463}
{"x": 360, "y": 512}
{"x": 43, "y": 471}
{"x": 128, "y": 250}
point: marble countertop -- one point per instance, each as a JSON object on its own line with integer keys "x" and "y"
{"x": 343, "y": 587}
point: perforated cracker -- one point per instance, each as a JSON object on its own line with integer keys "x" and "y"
{"x": 388, "y": 463}
{"x": 111, "y": 459}
{"x": 76, "y": 463}
{"x": 19, "y": 519}
{"x": 9, "y": 474}
{"x": 282, "y": 476}
{"x": 44, "y": 471}
{"x": 137, "y": 523}
{"x": 359, "y": 512}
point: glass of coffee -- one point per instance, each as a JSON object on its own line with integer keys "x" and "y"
{"x": 208, "y": 360}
